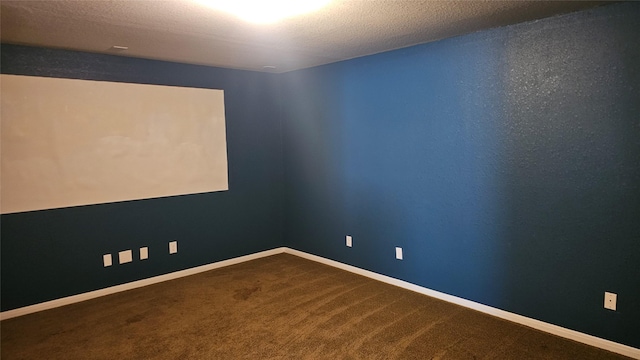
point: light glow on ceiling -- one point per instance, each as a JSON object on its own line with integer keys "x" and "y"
{"x": 266, "y": 11}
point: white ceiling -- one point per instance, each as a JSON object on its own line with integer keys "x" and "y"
{"x": 186, "y": 31}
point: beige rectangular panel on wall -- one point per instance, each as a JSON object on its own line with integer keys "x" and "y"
{"x": 77, "y": 142}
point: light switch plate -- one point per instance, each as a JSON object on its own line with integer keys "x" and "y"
{"x": 610, "y": 300}
{"x": 144, "y": 253}
{"x": 106, "y": 260}
{"x": 399, "y": 253}
{"x": 349, "y": 241}
{"x": 125, "y": 256}
{"x": 173, "y": 247}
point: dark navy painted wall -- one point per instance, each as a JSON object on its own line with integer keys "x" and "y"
{"x": 55, "y": 253}
{"x": 506, "y": 163}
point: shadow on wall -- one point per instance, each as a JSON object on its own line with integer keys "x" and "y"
{"x": 404, "y": 157}
{"x": 420, "y": 144}
{"x": 314, "y": 211}
{"x": 573, "y": 151}
{"x": 504, "y": 162}
{"x": 56, "y": 253}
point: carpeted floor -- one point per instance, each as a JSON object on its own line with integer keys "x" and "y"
{"x": 279, "y": 307}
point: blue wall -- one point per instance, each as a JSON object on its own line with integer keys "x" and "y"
{"x": 55, "y": 253}
{"x": 506, "y": 163}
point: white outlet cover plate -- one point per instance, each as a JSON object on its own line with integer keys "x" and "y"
{"x": 399, "y": 253}
{"x": 125, "y": 256}
{"x": 106, "y": 260}
{"x": 173, "y": 247}
{"x": 144, "y": 253}
{"x": 610, "y": 300}
{"x": 349, "y": 241}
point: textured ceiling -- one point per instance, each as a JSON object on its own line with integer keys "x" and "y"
{"x": 186, "y": 31}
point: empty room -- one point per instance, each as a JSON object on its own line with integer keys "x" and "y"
{"x": 357, "y": 179}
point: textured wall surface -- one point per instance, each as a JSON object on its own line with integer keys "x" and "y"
{"x": 506, "y": 163}
{"x": 55, "y": 253}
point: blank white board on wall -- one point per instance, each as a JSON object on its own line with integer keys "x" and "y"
{"x": 69, "y": 142}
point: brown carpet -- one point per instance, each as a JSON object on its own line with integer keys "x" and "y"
{"x": 279, "y": 307}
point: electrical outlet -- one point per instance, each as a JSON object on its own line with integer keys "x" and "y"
{"x": 173, "y": 247}
{"x": 125, "y": 256}
{"x": 106, "y": 260}
{"x": 349, "y": 241}
{"x": 399, "y": 253}
{"x": 610, "y": 300}
{"x": 144, "y": 253}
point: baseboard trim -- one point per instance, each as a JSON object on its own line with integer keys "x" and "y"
{"x": 132, "y": 285}
{"x": 523, "y": 320}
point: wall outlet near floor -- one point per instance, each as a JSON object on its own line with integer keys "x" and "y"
{"x": 173, "y": 247}
{"x": 349, "y": 241}
{"x": 399, "y": 253}
{"x": 106, "y": 260}
{"x": 144, "y": 253}
{"x": 610, "y": 300}
{"x": 125, "y": 256}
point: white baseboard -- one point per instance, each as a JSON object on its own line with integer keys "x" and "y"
{"x": 132, "y": 285}
{"x": 523, "y": 320}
